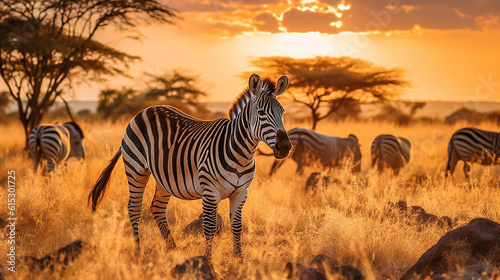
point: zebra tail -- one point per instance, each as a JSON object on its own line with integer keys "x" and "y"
{"x": 97, "y": 192}
{"x": 35, "y": 148}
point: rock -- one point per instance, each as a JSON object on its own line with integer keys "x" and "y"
{"x": 300, "y": 272}
{"x": 475, "y": 242}
{"x": 347, "y": 272}
{"x": 418, "y": 215}
{"x": 199, "y": 268}
{"x": 474, "y": 272}
{"x": 318, "y": 182}
{"x": 484, "y": 269}
{"x": 445, "y": 222}
{"x": 61, "y": 257}
{"x": 456, "y": 275}
{"x": 197, "y": 225}
{"x": 323, "y": 263}
{"x": 322, "y": 267}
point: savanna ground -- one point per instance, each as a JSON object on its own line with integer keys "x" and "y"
{"x": 281, "y": 222}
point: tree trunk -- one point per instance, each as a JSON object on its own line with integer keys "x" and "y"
{"x": 315, "y": 119}
{"x": 26, "y": 136}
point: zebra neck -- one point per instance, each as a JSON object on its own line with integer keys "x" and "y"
{"x": 241, "y": 142}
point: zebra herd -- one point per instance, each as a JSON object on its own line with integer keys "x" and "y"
{"x": 213, "y": 160}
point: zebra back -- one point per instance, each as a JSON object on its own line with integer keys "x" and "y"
{"x": 49, "y": 141}
{"x": 475, "y": 145}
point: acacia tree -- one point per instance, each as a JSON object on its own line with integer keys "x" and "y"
{"x": 325, "y": 84}
{"x": 176, "y": 88}
{"x": 47, "y": 44}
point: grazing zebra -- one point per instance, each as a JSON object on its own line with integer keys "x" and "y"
{"x": 390, "y": 151}
{"x": 55, "y": 143}
{"x": 311, "y": 147}
{"x": 192, "y": 159}
{"x": 473, "y": 145}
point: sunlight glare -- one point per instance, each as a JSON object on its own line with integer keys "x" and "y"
{"x": 337, "y": 24}
{"x": 343, "y": 7}
{"x": 303, "y": 45}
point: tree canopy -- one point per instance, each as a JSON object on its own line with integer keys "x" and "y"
{"x": 175, "y": 88}
{"x": 325, "y": 84}
{"x": 45, "y": 45}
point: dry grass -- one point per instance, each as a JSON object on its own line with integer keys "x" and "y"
{"x": 281, "y": 222}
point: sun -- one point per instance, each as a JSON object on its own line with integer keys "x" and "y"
{"x": 302, "y": 45}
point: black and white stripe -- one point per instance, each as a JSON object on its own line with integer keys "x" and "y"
{"x": 311, "y": 147}
{"x": 390, "y": 151}
{"x": 192, "y": 159}
{"x": 473, "y": 145}
{"x": 55, "y": 143}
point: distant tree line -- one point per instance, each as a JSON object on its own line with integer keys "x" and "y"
{"x": 175, "y": 88}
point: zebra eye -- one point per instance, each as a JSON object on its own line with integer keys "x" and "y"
{"x": 261, "y": 112}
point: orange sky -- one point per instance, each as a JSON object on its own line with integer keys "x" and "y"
{"x": 450, "y": 48}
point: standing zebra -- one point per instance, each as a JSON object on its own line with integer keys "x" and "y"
{"x": 55, "y": 143}
{"x": 390, "y": 151}
{"x": 192, "y": 159}
{"x": 473, "y": 145}
{"x": 329, "y": 151}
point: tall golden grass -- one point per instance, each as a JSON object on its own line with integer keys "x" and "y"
{"x": 281, "y": 222}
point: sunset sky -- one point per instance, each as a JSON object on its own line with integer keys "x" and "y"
{"x": 449, "y": 48}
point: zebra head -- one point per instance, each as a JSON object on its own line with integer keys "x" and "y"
{"x": 75, "y": 139}
{"x": 266, "y": 121}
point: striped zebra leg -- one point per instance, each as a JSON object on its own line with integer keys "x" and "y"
{"x": 34, "y": 150}
{"x": 467, "y": 167}
{"x": 159, "y": 211}
{"x": 210, "y": 203}
{"x": 51, "y": 165}
{"x": 137, "y": 181}
{"x": 452, "y": 159}
{"x": 237, "y": 200}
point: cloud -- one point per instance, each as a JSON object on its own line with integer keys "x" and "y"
{"x": 369, "y": 15}
{"x": 267, "y": 23}
{"x": 233, "y": 17}
{"x": 305, "y": 21}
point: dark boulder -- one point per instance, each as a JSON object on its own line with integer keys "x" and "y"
{"x": 199, "y": 268}
{"x": 474, "y": 243}
{"x": 417, "y": 215}
{"x": 300, "y": 272}
{"x": 60, "y": 257}
{"x": 474, "y": 272}
{"x": 322, "y": 267}
{"x": 323, "y": 263}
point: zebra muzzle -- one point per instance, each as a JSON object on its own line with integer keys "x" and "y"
{"x": 283, "y": 145}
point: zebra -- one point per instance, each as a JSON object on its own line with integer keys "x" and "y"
{"x": 473, "y": 145}
{"x": 390, "y": 151}
{"x": 55, "y": 143}
{"x": 192, "y": 159}
{"x": 329, "y": 151}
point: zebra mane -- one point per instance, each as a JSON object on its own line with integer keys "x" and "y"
{"x": 239, "y": 103}
{"x": 77, "y": 127}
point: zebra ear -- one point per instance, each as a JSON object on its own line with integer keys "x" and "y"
{"x": 281, "y": 85}
{"x": 255, "y": 84}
